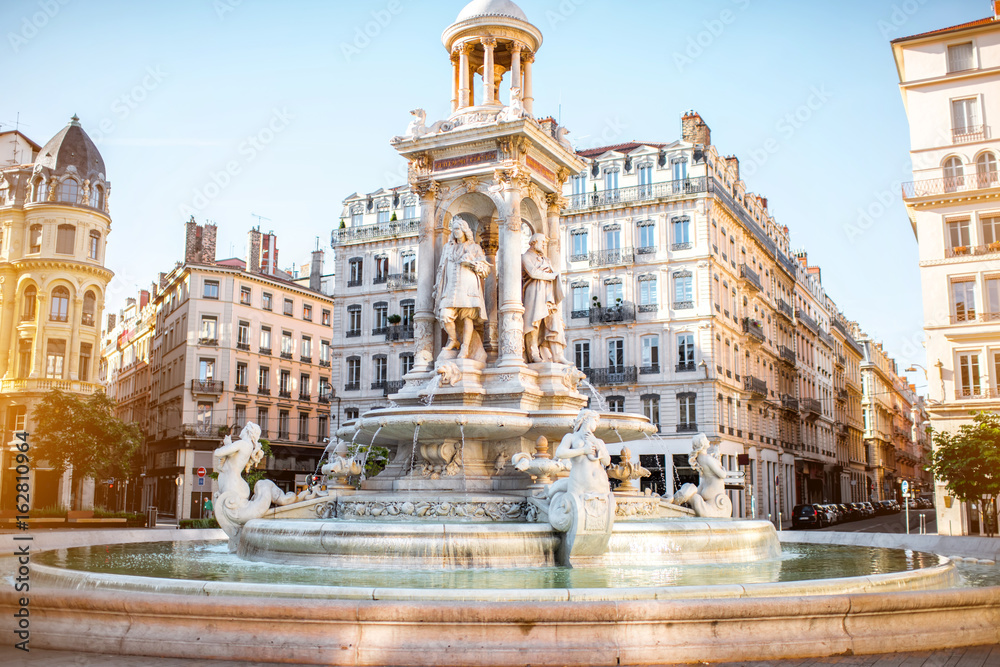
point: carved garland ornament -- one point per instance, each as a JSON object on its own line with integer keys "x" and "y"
{"x": 480, "y": 511}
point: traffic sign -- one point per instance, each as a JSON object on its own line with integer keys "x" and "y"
{"x": 202, "y": 472}
{"x": 201, "y": 481}
{"x": 905, "y": 487}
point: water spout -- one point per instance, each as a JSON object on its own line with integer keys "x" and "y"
{"x": 601, "y": 405}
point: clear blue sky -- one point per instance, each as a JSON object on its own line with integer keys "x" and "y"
{"x": 179, "y": 87}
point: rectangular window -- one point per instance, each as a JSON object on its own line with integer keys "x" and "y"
{"x": 205, "y": 415}
{"x": 354, "y": 321}
{"x": 969, "y": 376}
{"x": 581, "y": 299}
{"x": 65, "y": 239}
{"x": 324, "y": 351}
{"x": 651, "y": 409}
{"x": 286, "y": 344}
{"x": 616, "y": 404}
{"x": 211, "y": 289}
{"x": 95, "y": 244}
{"x": 242, "y": 376}
{"x": 611, "y": 180}
{"x": 992, "y": 299}
{"x": 613, "y": 238}
{"x": 307, "y": 347}
{"x": 357, "y": 219}
{"x": 958, "y": 234}
{"x": 582, "y": 351}
{"x": 323, "y": 428}
{"x": 326, "y": 318}
{"x": 408, "y": 311}
{"x": 381, "y": 269}
{"x": 354, "y": 373}
{"x": 580, "y": 184}
{"x": 615, "y": 294}
{"x": 55, "y": 356}
{"x": 303, "y": 427}
{"x": 24, "y": 350}
{"x": 243, "y": 335}
{"x": 405, "y": 364}
{"x": 357, "y": 268}
{"x": 685, "y": 352}
{"x": 209, "y": 329}
{"x": 686, "y": 411}
{"x": 580, "y": 245}
{"x": 964, "y": 297}
{"x": 646, "y": 175}
{"x": 206, "y": 370}
{"x": 383, "y": 216}
{"x": 263, "y": 415}
{"x": 289, "y": 308}
{"x": 85, "y": 355}
{"x": 683, "y": 290}
{"x": 35, "y": 239}
{"x": 264, "y": 378}
{"x": 680, "y": 169}
{"x": 960, "y": 57}
{"x": 410, "y": 212}
{"x": 682, "y": 233}
{"x": 965, "y": 115}
{"x": 265, "y": 340}
{"x": 307, "y": 313}
{"x": 647, "y": 235}
{"x": 381, "y": 370}
{"x": 283, "y": 419}
{"x": 651, "y": 354}
{"x": 266, "y": 301}
{"x": 241, "y": 417}
{"x": 305, "y": 386}
{"x": 616, "y": 355}
{"x": 647, "y": 292}
{"x": 245, "y": 296}
{"x": 285, "y": 383}
{"x": 381, "y": 318}
{"x": 991, "y": 232}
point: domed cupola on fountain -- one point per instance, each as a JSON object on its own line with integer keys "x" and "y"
{"x": 69, "y": 170}
{"x": 492, "y": 46}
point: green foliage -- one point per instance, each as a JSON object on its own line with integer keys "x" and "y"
{"x": 378, "y": 459}
{"x": 83, "y": 432}
{"x": 198, "y": 523}
{"x": 48, "y": 512}
{"x": 968, "y": 461}
{"x": 257, "y": 474}
{"x": 393, "y": 218}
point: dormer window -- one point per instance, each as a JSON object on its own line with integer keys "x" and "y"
{"x": 97, "y": 198}
{"x": 69, "y": 192}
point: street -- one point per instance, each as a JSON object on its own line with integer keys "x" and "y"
{"x": 887, "y": 523}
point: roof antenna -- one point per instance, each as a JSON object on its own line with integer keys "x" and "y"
{"x": 259, "y": 218}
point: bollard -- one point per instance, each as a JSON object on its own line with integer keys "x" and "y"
{"x": 151, "y": 517}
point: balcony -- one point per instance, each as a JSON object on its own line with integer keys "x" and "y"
{"x": 811, "y": 408}
{"x": 380, "y": 331}
{"x": 973, "y": 251}
{"x": 786, "y": 311}
{"x": 841, "y": 361}
{"x": 305, "y": 397}
{"x": 284, "y": 393}
{"x": 266, "y": 351}
{"x": 579, "y": 314}
{"x": 205, "y": 340}
{"x": 354, "y": 333}
{"x": 842, "y": 395}
{"x": 205, "y": 430}
{"x": 951, "y": 184}
{"x": 827, "y": 339}
{"x": 48, "y": 384}
{"x": 754, "y": 329}
{"x": 789, "y": 403}
{"x": 380, "y": 279}
{"x": 393, "y": 387}
{"x": 682, "y": 305}
{"x": 398, "y": 281}
{"x": 263, "y": 391}
{"x": 306, "y": 360}
{"x": 614, "y": 315}
{"x": 787, "y": 355}
{"x": 681, "y": 246}
{"x": 324, "y": 397}
{"x": 750, "y": 278}
{"x": 646, "y": 250}
{"x": 382, "y": 230}
{"x": 399, "y": 332}
{"x": 756, "y": 387}
{"x": 286, "y": 355}
{"x": 649, "y": 370}
{"x": 355, "y": 282}
{"x": 207, "y": 386}
{"x": 87, "y": 319}
{"x": 241, "y": 388}
{"x": 324, "y": 363}
{"x": 379, "y": 385}
{"x": 638, "y": 193}
{"x": 687, "y": 428}
{"x": 614, "y": 376}
{"x": 614, "y": 257}
{"x": 686, "y": 367}
{"x": 806, "y": 321}
{"x": 243, "y": 347}
{"x": 352, "y": 386}
{"x": 965, "y": 135}
{"x": 976, "y": 393}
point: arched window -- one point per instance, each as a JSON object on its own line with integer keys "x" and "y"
{"x": 94, "y": 246}
{"x": 69, "y": 191}
{"x": 89, "y": 308}
{"x": 60, "y": 305}
{"x": 30, "y": 299}
{"x": 35, "y": 239}
{"x": 986, "y": 170}
{"x": 36, "y": 191}
{"x": 952, "y": 174}
{"x": 97, "y": 198}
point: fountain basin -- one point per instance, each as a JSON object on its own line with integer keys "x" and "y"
{"x": 412, "y": 544}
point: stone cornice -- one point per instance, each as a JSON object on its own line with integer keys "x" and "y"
{"x": 258, "y": 278}
{"x": 61, "y": 265}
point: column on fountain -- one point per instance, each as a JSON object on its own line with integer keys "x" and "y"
{"x": 515, "y": 67}
{"x": 529, "y": 100}
{"x": 456, "y": 80}
{"x": 509, "y": 274}
{"x": 489, "y": 72}
{"x": 464, "y": 76}
{"x": 424, "y": 320}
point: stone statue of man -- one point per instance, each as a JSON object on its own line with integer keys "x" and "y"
{"x": 460, "y": 304}
{"x": 542, "y": 292}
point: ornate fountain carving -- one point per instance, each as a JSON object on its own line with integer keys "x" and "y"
{"x": 709, "y": 498}
{"x": 627, "y": 472}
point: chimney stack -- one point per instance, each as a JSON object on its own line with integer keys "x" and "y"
{"x": 199, "y": 243}
{"x": 316, "y": 271}
{"x": 269, "y": 254}
{"x": 112, "y": 320}
{"x": 143, "y": 299}
{"x": 253, "y": 251}
{"x": 694, "y": 130}
{"x": 996, "y": 9}
{"x": 734, "y": 163}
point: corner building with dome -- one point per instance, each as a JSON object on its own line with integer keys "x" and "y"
{"x": 54, "y": 226}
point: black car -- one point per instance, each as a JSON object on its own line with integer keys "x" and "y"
{"x": 809, "y": 516}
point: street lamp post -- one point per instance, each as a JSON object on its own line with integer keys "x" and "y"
{"x": 179, "y": 481}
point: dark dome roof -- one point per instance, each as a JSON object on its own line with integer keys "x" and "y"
{"x": 73, "y": 147}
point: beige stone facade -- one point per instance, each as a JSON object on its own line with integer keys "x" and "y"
{"x": 54, "y": 227}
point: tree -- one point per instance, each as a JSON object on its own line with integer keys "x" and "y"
{"x": 83, "y": 433}
{"x": 969, "y": 463}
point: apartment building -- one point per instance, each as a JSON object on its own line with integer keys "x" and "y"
{"x": 235, "y": 341}
{"x": 54, "y": 227}
{"x": 950, "y": 84}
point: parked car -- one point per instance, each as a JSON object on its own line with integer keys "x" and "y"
{"x": 847, "y": 512}
{"x": 809, "y": 516}
{"x": 885, "y": 507}
{"x": 871, "y": 508}
{"x": 832, "y": 512}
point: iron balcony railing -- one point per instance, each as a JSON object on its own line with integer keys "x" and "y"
{"x": 380, "y": 331}
{"x": 354, "y": 333}
{"x": 580, "y": 314}
{"x": 789, "y": 403}
{"x": 976, "y": 393}
{"x": 243, "y": 347}
{"x": 949, "y": 184}
{"x": 755, "y": 386}
{"x": 324, "y": 363}
{"x": 241, "y": 388}
{"x": 754, "y": 329}
{"x": 263, "y": 391}
{"x": 352, "y": 386}
{"x": 305, "y": 397}
{"x": 811, "y": 407}
{"x": 686, "y": 367}
{"x": 613, "y": 257}
{"x": 87, "y": 319}
{"x": 613, "y": 376}
{"x": 687, "y": 428}
{"x": 207, "y": 386}
{"x": 973, "y": 251}
{"x": 283, "y": 393}
{"x": 638, "y": 193}
{"x": 827, "y": 339}
{"x": 286, "y": 355}
{"x": 964, "y": 135}
{"x": 380, "y": 279}
{"x": 393, "y": 387}
{"x": 381, "y": 230}
{"x": 398, "y": 332}
{"x": 306, "y": 360}
{"x": 398, "y": 281}
{"x": 204, "y": 340}
{"x": 649, "y": 370}
{"x": 786, "y": 310}
{"x": 265, "y": 351}
{"x": 625, "y": 312}
{"x": 787, "y": 355}
{"x": 202, "y": 430}
{"x": 379, "y": 384}
{"x": 809, "y": 322}
{"x": 750, "y": 277}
